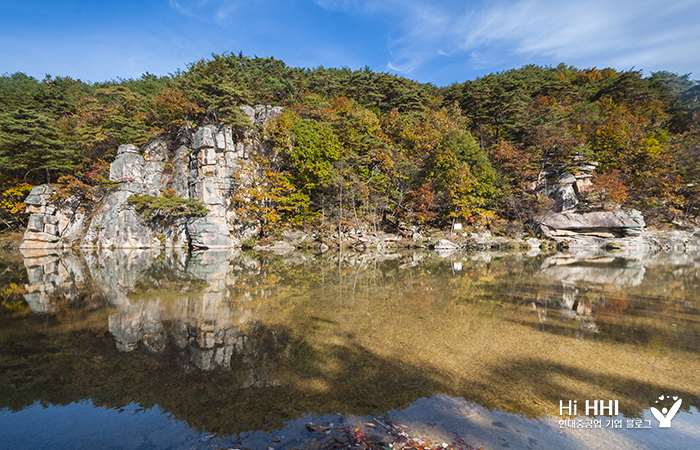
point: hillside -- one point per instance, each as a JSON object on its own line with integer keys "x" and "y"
{"x": 373, "y": 149}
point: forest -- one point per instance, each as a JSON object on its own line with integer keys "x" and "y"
{"x": 373, "y": 148}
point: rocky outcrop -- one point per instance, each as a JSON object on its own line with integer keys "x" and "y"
{"x": 574, "y": 226}
{"x": 564, "y": 193}
{"x": 52, "y": 225}
{"x": 601, "y": 224}
{"x": 620, "y": 230}
{"x": 198, "y": 165}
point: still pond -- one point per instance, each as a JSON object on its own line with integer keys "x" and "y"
{"x": 228, "y": 349}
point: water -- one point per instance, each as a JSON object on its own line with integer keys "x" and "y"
{"x": 137, "y": 349}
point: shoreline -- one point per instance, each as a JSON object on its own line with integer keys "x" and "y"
{"x": 648, "y": 241}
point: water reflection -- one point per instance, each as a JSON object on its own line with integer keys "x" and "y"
{"x": 230, "y": 341}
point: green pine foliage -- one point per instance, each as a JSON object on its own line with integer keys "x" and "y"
{"x": 166, "y": 209}
{"x": 29, "y": 143}
{"x": 361, "y": 147}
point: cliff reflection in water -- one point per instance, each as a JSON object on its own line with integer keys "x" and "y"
{"x": 231, "y": 342}
{"x": 176, "y": 299}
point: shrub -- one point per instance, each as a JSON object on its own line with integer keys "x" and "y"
{"x": 166, "y": 209}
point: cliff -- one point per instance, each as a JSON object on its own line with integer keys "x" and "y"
{"x": 199, "y": 165}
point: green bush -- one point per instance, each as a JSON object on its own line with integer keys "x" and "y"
{"x": 166, "y": 209}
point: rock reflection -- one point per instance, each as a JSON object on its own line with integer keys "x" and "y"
{"x": 361, "y": 333}
{"x": 51, "y": 277}
{"x": 201, "y": 303}
{"x": 579, "y": 274}
{"x": 606, "y": 270}
{"x": 175, "y": 298}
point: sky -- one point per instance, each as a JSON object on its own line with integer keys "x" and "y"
{"x": 438, "y": 41}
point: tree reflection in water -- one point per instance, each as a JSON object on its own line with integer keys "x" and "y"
{"x": 231, "y": 342}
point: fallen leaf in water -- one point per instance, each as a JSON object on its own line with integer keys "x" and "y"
{"x": 207, "y": 438}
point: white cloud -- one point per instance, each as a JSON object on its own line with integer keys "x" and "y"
{"x": 585, "y": 33}
{"x": 210, "y": 11}
{"x": 336, "y": 5}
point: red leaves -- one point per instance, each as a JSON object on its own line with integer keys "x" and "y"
{"x": 340, "y": 437}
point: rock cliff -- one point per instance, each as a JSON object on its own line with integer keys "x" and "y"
{"x": 198, "y": 165}
{"x": 573, "y": 226}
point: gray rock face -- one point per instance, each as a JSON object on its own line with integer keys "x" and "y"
{"x": 565, "y": 198}
{"x": 209, "y": 232}
{"x": 616, "y": 223}
{"x": 51, "y": 226}
{"x": 204, "y": 138}
{"x": 116, "y": 225}
{"x": 201, "y": 167}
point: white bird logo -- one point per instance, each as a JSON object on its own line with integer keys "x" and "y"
{"x": 665, "y": 415}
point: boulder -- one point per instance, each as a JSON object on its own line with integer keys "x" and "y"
{"x": 39, "y": 195}
{"x": 564, "y": 193}
{"x": 444, "y": 244}
{"x": 564, "y": 196}
{"x": 617, "y": 223}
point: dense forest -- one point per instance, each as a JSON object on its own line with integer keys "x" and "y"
{"x": 373, "y": 148}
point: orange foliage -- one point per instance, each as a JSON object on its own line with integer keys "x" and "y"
{"x": 610, "y": 188}
{"x": 513, "y": 162}
{"x": 421, "y": 202}
{"x": 173, "y": 109}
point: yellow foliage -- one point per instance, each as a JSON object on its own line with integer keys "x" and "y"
{"x": 262, "y": 194}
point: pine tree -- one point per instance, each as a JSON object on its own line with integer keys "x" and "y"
{"x": 30, "y": 146}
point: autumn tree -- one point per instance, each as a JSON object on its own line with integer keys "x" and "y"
{"x": 261, "y": 195}
{"x": 609, "y": 188}
{"x": 172, "y": 109}
{"x": 13, "y": 213}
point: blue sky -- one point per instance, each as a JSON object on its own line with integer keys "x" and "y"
{"x": 438, "y": 41}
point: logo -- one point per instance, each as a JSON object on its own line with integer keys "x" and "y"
{"x": 666, "y": 415}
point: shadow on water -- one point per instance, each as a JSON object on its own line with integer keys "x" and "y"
{"x": 552, "y": 382}
{"x": 232, "y": 342}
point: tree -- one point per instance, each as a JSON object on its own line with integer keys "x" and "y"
{"x": 172, "y": 109}
{"x": 261, "y": 195}
{"x": 12, "y": 207}
{"x": 114, "y": 115}
{"x": 308, "y": 147}
{"x": 610, "y": 188}
{"x": 30, "y": 144}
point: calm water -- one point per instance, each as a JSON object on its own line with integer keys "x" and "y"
{"x": 136, "y": 349}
